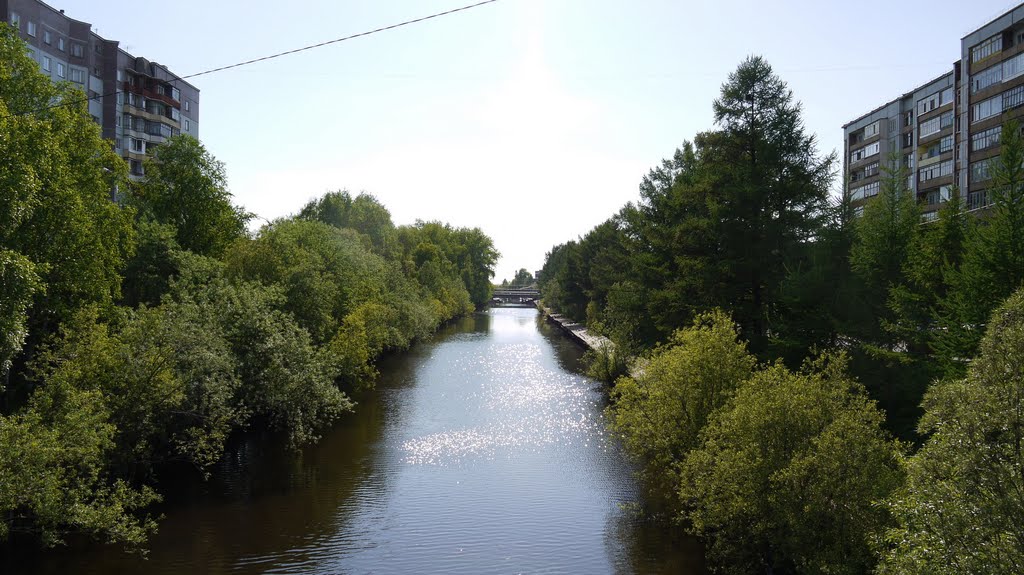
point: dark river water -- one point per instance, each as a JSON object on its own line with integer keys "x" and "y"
{"x": 481, "y": 451}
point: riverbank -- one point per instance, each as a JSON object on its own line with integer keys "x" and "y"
{"x": 574, "y": 330}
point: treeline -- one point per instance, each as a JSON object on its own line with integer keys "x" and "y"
{"x": 137, "y": 335}
{"x": 813, "y": 390}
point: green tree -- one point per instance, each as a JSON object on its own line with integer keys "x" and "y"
{"x": 18, "y": 283}
{"x": 522, "y": 278}
{"x": 166, "y": 376}
{"x": 885, "y": 235}
{"x": 148, "y": 273}
{"x": 364, "y": 214}
{"x": 53, "y": 477}
{"x": 186, "y": 187}
{"x": 993, "y": 262}
{"x": 962, "y": 507}
{"x": 935, "y": 255}
{"x": 325, "y": 271}
{"x": 56, "y": 174}
{"x": 469, "y": 250}
{"x": 720, "y": 224}
{"x": 883, "y": 258}
{"x": 672, "y": 244}
{"x": 660, "y": 412}
{"x": 287, "y": 383}
{"x": 822, "y": 296}
{"x": 771, "y": 188}
{"x": 788, "y": 473}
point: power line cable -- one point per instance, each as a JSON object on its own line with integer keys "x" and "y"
{"x": 272, "y": 56}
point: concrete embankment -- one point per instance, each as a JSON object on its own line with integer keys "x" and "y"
{"x": 574, "y": 330}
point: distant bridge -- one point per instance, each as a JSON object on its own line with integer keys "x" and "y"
{"x": 507, "y": 296}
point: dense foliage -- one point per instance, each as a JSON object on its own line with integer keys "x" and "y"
{"x": 859, "y": 317}
{"x": 787, "y": 477}
{"x": 962, "y": 508}
{"x": 144, "y": 334}
{"x": 661, "y": 411}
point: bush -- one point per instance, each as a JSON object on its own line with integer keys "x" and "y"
{"x": 661, "y": 411}
{"x": 789, "y": 473}
{"x": 962, "y": 509}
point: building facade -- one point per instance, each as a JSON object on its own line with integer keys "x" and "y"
{"x": 138, "y": 103}
{"x": 945, "y": 132}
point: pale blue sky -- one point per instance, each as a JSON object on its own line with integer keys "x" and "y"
{"x": 532, "y": 119}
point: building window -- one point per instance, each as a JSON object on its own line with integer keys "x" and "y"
{"x": 1012, "y": 68}
{"x": 908, "y": 139}
{"x": 187, "y": 105}
{"x": 927, "y": 104}
{"x": 945, "y": 96}
{"x": 60, "y": 70}
{"x": 987, "y": 108}
{"x": 939, "y": 196}
{"x": 868, "y": 171}
{"x": 16, "y": 20}
{"x": 175, "y": 114}
{"x": 936, "y": 171}
{"x": 136, "y": 167}
{"x": 908, "y": 118}
{"x": 986, "y": 138}
{"x": 865, "y": 191}
{"x": 1013, "y": 98}
{"x": 946, "y": 120}
{"x": 47, "y": 37}
{"x": 46, "y": 63}
{"x": 987, "y": 48}
{"x": 946, "y": 144}
{"x": 188, "y": 126}
{"x": 985, "y": 78}
{"x": 981, "y": 171}
{"x": 138, "y": 146}
{"x": 928, "y": 128}
{"x": 978, "y": 200}
{"x": 31, "y": 28}
{"x": 871, "y": 130}
{"x": 931, "y": 151}
{"x": 76, "y": 49}
{"x": 77, "y": 75}
{"x": 856, "y": 156}
{"x": 60, "y": 44}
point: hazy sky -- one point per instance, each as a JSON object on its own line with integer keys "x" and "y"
{"x": 534, "y": 120}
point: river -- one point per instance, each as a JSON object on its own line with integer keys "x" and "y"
{"x": 482, "y": 450}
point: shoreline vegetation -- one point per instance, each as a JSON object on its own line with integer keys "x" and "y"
{"x": 823, "y": 389}
{"x": 137, "y": 336}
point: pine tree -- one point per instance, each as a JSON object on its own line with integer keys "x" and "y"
{"x": 993, "y": 262}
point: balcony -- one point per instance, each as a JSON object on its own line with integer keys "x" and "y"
{"x": 979, "y": 200}
{"x": 152, "y": 94}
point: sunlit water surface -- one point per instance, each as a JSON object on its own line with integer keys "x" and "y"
{"x": 481, "y": 451}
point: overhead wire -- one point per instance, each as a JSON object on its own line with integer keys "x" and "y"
{"x": 76, "y": 101}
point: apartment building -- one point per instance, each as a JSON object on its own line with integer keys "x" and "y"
{"x": 138, "y": 103}
{"x": 945, "y": 132}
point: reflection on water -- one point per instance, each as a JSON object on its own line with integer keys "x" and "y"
{"x": 481, "y": 451}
